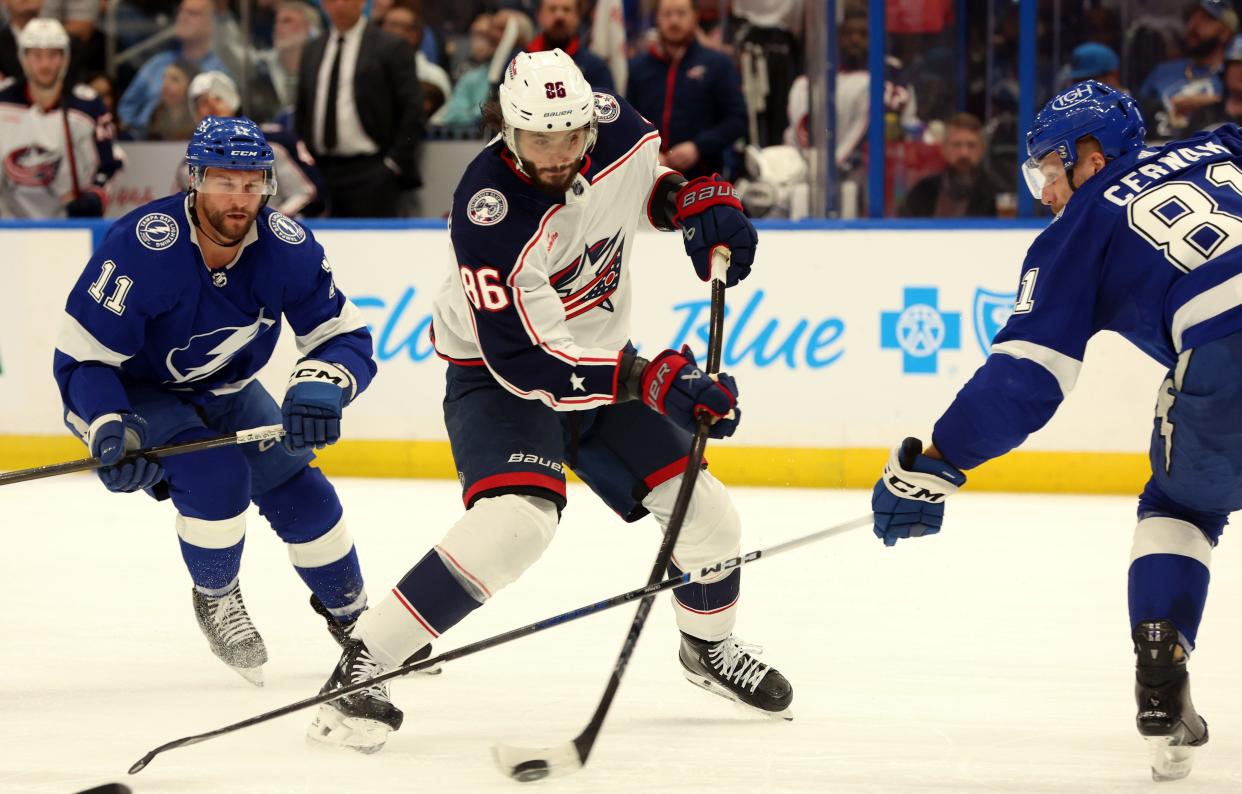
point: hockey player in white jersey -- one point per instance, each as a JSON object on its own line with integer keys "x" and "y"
{"x": 533, "y": 318}
{"x": 56, "y": 141}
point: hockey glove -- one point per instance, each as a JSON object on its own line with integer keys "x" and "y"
{"x": 908, "y": 501}
{"x": 673, "y": 384}
{"x": 710, "y": 215}
{"x": 88, "y": 205}
{"x": 311, "y": 414}
{"x": 109, "y": 437}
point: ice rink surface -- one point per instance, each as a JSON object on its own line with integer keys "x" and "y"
{"x": 994, "y": 657}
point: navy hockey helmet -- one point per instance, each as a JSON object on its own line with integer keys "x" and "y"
{"x": 1088, "y": 108}
{"x": 235, "y": 144}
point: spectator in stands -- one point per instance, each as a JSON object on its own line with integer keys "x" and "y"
{"x": 1176, "y": 89}
{"x": 299, "y": 186}
{"x": 463, "y": 107}
{"x": 559, "y": 22}
{"x": 20, "y": 12}
{"x": 964, "y": 188}
{"x": 79, "y": 17}
{"x": 172, "y": 120}
{"x": 360, "y": 108}
{"x": 274, "y": 88}
{"x": 692, "y": 94}
{"x": 771, "y": 58}
{"x": 853, "y": 103}
{"x": 379, "y": 10}
{"x": 194, "y": 30}
{"x": 102, "y": 84}
{"x": 1095, "y": 61}
{"x": 1229, "y": 108}
{"x": 402, "y": 20}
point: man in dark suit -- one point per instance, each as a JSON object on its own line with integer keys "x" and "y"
{"x": 360, "y": 108}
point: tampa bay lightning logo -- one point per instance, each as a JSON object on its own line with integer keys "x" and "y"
{"x": 156, "y": 231}
{"x": 991, "y": 312}
{"x": 208, "y": 353}
{"x": 286, "y": 228}
{"x": 607, "y": 109}
{"x": 600, "y": 263}
{"x": 1071, "y": 97}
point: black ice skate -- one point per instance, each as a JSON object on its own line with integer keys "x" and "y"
{"x": 728, "y": 668}
{"x": 231, "y": 635}
{"x": 360, "y": 721}
{"x": 344, "y": 632}
{"x": 1166, "y": 716}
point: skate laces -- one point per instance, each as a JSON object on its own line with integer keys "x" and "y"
{"x": 232, "y": 622}
{"x": 362, "y": 667}
{"x": 735, "y": 660}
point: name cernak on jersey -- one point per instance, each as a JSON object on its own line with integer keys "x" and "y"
{"x": 1144, "y": 176}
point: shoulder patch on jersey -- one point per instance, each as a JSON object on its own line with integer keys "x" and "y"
{"x": 487, "y": 207}
{"x": 85, "y": 92}
{"x": 286, "y": 228}
{"x": 157, "y": 231}
{"x": 607, "y": 109}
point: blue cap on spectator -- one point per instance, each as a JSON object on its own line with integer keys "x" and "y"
{"x": 1092, "y": 60}
{"x": 1221, "y": 11}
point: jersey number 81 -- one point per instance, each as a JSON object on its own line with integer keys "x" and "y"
{"x": 1186, "y": 222}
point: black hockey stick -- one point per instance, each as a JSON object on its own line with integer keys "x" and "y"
{"x": 534, "y": 763}
{"x": 265, "y": 433}
{"x": 686, "y": 578}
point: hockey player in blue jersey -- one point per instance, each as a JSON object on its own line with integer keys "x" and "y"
{"x": 163, "y": 336}
{"x": 533, "y": 319}
{"x": 1145, "y": 244}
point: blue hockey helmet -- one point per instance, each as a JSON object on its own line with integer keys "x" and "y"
{"x": 235, "y": 144}
{"x": 1088, "y": 108}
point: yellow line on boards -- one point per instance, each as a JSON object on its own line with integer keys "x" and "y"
{"x": 1042, "y": 472}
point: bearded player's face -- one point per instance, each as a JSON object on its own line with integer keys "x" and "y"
{"x": 230, "y": 200}
{"x": 551, "y": 159}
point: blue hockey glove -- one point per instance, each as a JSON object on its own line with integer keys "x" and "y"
{"x": 908, "y": 501}
{"x": 314, "y": 399}
{"x": 710, "y": 215}
{"x": 110, "y": 436}
{"x": 673, "y": 384}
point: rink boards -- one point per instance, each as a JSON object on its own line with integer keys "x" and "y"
{"x": 843, "y": 341}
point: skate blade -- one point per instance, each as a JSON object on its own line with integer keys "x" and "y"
{"x": 1169, "y": 761}
{"x": 711, "y": 686}
{"x": 252, "y": 674}
{"x": 331, "y": 727}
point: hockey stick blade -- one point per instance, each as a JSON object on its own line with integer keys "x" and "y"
{"x": 688, "y": 577}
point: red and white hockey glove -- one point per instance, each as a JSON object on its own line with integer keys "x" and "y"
{"x": 710, "y": 215}
{"x": 673, "y": 384}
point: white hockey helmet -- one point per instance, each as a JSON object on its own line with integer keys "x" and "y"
{"x": 45, "y": 34}
{"x": 546, "y": 92}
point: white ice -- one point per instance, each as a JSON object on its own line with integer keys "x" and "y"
{"x": 994, "y": 657}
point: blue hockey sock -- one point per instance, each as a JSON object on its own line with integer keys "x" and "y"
{"x": 707, "y": 598}
{"x": 1171, "y": 587}
{"x": 213, "y": 570}
{"x": 338, "y": 585}
{"x": 434, "y": 596}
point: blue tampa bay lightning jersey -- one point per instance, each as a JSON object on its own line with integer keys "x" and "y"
{"x": 147, "y": 310}
{"x": 1147, "y": 248}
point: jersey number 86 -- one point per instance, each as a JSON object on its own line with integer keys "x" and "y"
{"x": 484, "y": 289}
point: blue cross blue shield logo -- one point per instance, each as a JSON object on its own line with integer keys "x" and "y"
{"x": 991, "y": 312}
{"x": 920, "y": 330}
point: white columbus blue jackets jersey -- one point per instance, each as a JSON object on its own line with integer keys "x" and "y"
{"x": 539, "y": 288}
{"x": 1147, "y": 248}
{"x": 147, "y": 310}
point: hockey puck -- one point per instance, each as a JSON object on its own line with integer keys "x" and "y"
{"x": 530, "y": 771}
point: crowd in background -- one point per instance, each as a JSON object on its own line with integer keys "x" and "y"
{"x": 350, "y": 91}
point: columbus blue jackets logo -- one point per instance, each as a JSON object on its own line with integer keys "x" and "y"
{"x": 286, "y": 228}
{"x": 32, "y": 166}
{"x": 991, "y": 312}
{"x": 487, "y": 207}
{"x": 156, "y": 231}
{"x": 601, "y": 263}
{"x": 607, "y": 109}
{"x": 208, "y": 353}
